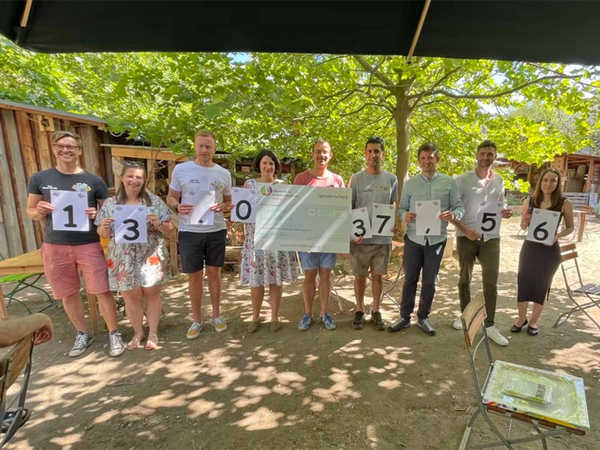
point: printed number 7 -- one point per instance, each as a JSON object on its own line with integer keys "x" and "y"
{"x": 385, "y": 220}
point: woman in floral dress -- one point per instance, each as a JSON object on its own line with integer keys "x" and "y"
{"x": 138, "y": 270}
{"x": 264, "y": 268}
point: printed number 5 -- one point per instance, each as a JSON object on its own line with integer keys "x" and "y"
{"x": 488, "y": 217}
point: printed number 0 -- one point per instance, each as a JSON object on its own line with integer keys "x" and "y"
{"x": 134, "y": 227}
{"x": 248, "y": 209}
{"x": 540, "y": 233}
{"x": 488, "y": 217}
{"x": 361, "y": 226}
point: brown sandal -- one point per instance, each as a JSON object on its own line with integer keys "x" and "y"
{"x": 135, "y": 343}
{"x": 152, "y": 342}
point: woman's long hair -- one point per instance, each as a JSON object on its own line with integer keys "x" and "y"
{"x": 557, "y": 195}
{"x": 143, "y": 195}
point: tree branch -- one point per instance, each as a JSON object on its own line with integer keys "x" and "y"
{"x": 499, "y": 94}
{"x": 436, "y": 84}
{"x": 380, "y": 76}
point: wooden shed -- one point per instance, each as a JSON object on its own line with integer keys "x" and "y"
{"x": 25, "y": 148}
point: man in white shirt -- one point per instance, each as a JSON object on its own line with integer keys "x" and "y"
{"x": 476, "y": 187}
{"x": 193, "y": 185}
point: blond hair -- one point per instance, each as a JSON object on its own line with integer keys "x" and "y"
{"x": 206, "y": 133}
{"x": 58, "y": 135}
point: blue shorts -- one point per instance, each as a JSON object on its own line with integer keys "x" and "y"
{"x": 314, "y": 260}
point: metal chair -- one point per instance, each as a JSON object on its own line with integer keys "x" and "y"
{"x": 15, "y": 362}
{"x": 24, "y": 281}
{"x": 590, "y": 291}
{"x": 486, "y": 388}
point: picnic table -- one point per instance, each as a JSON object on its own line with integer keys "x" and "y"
{"x": 32, "y": 263}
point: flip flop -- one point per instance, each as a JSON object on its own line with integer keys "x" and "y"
{"x": 9, "y": 417}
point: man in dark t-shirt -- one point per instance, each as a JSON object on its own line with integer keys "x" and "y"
{"x": 67, "y": 252}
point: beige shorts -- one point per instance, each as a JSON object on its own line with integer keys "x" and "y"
{"x": 375, "y": 256}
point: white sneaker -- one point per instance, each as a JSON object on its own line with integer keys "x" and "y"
{"x": 495, "y": 336}
{"x": 457, "y": 325}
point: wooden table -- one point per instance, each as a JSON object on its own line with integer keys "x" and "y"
{"x": 32, "y": 263}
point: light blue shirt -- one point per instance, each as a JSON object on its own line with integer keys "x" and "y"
{"x": 441, "y": 187}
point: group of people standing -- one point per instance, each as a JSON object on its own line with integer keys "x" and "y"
{"x": 138, "y": 270}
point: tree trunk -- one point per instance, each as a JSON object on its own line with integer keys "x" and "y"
{"x": 402, "y": 120}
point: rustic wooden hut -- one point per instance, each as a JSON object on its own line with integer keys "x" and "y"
{"x": 25, "y": 148}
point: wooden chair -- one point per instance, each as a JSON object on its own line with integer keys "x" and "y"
{"x": 473, "y": 320}
{"x": 15, "y": 361}
{"x": 591, "y": 291}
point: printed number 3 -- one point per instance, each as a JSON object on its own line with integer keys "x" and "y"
{"x": 361, "y": 226}
{"x": 134, "y": 228}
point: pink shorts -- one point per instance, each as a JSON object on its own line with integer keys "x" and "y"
{"x": 61, "y": 263}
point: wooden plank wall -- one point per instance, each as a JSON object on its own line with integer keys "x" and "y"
{"x": 24, "y": 150}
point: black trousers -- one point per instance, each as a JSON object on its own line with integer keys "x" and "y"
{"x": 417, "y": 257}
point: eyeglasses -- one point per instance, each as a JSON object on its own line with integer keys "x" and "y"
{"x": 133, "y": 164}
{"x": 66, "y": 147}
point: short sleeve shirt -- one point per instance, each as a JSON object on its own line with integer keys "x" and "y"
{"x": 368, "y": 189}
{"x": 188, "y": 177}
{"x": 43, "y": 183}
{"x": 329, "y": 180}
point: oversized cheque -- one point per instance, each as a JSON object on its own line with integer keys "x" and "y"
{"x": 303, "y": 218}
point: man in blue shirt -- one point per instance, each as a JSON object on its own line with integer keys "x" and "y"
{"x": 425, "y": 252}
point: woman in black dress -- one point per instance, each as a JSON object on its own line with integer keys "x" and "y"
{"x": 538, "y": 262}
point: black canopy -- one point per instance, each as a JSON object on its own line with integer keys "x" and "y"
{"x": 553, "y": 31}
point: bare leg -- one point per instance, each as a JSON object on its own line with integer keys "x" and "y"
{"x": 537, "y": 312}
{"x": 108, "y": 309}
{"x": 153, "y": 307}
{"x": 134, "y": 310}
{"x": 73, "y": 306}
{"x": 309, "y": 288}
{"x": 275, "y": 300}
{"x": 195, "y": 292}
{"x": 360, "y": 283}
{"x": 522, "y": 313}
{"x": 257, "y": 294}
{"x": 214, "y": 288}
{"x": 377, "y": 291}
{"x": 324, "y": 288}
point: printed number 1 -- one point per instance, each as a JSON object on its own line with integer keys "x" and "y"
{"x": 69, "y": 210}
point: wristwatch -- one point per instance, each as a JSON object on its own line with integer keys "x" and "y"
{"x": 176, "y": 208}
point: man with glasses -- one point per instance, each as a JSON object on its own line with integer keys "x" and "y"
{"x": 67, "y": 252}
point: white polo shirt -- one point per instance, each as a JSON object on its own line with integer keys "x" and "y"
{"x": 474, "y": 191}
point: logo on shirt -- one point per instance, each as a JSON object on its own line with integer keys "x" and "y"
{"x": 385, "y": 186}
{"x": 81, "y": 187}
{"x": 217, "y": 186}
{"x": 48, "y": 187}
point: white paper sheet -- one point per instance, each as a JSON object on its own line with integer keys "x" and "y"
{"x": 489, "y": 219}
{"x": 244, "y": 200}
{"x": 131, "y": 226}
{"x": 361, "y": 225}
{"x": 202, "y": 201}
{"x": 428, "y": 218}
{"x": 543, "y": 226}
{"x": 382, "y": 219}
{"x": 69, "y": 211}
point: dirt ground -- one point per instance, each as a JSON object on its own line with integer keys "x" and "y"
{"x": 344, "y": 389}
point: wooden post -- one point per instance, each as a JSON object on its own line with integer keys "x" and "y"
{"x": 151, "y": 171}
{"x": 94, "y": 314}
{"x": 41, "y": 143}
{"x": 91, "y": 148}
{"x": 3, "y": 310}
{"x": 117, "y": 168}
{"x": 590, "y": 177}
{"x": 173, "y": 248}
{"x": 20, "y": 183}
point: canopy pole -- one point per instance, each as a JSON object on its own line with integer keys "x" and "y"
{"x": 26, "y": 11}
{"x": 418, "y": 32}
